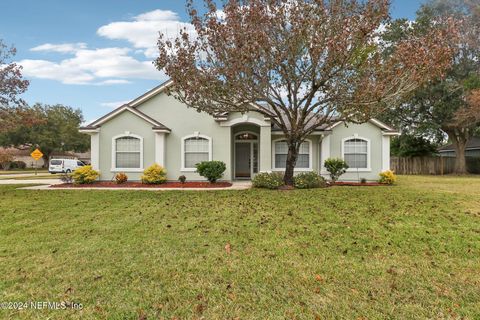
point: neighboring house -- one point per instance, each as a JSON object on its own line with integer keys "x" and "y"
{"x": 157, "y": 128}
{"x": 23, "y": 154}
{"x": 472, "y": 150}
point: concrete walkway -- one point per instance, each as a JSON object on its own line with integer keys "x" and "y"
{"x": 236, "y": 185}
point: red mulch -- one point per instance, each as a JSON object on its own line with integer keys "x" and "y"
{"x": 359, "y": 184}
{"x": 110, "y": 184}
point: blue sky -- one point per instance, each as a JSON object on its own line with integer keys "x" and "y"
{"x": 95, "y": 55}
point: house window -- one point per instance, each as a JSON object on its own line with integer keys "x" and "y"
{"x": 128, "y": 152}
{"x": 196, "y": 149}
{"x": 355, "y": 153}
{"x": 281, "y": 152}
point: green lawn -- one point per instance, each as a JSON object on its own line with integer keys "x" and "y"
{"x": 410, "y": 251}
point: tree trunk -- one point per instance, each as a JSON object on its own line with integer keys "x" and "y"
{"x": 460, "y": 161}
{"x": 291, "y": 162}
{"x": 46, "y": 160}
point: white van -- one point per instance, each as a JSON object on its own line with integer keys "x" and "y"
{"x": 64, "y": 165}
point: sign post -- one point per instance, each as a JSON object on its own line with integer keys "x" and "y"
{"x": 36, "y": 155}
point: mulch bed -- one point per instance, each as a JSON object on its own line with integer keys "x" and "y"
{"x": 359, "y": 184}
{"x": 110, "y": 184}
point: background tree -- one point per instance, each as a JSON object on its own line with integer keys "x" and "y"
{"x": 57, "y": 131}
{"x": 446, "y": 106}
{"x": 409, "y": 145}
{"x": 303, "y": 63}
{"x": 12, "y": 84}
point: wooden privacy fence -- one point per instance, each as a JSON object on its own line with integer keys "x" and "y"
{"x": 430, "y": 165}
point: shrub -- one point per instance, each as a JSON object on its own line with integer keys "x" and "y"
{"x": 85, "y": 175}
{"x": 308, "y": 180}
{"x": 387, "y": 177}
{"x": 6, "y": 158}
{"x": 182, "y": 179}
{"x": 155, "y": 174}
{"x": 268, "y": 180}
{"x": 212, "y": 170}
{"x": 335, "y": 167}
{"x": 66, "y": 178}
{"x": 120, "y": 178}
{"x": 363, "y": 180}
{"x": 18, "y": 165}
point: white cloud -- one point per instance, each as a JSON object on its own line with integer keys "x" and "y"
{"x": 143, "y": 31}
{"x": 62, "y": 47}
{"x": 109, "y": 66}
{"x": 104, "y": 66}
{"x": 113, "y": 104}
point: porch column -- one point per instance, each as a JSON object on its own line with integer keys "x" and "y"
{"x": 265, "y": 149}
{"x": 385, "y": 153}
{"x": 325, "y": 153}
{"x": 160, "y": 148}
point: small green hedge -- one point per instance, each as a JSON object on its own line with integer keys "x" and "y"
{"x": 308, "y": 180}
{"x": 268, "y": 180}
{"x": 212, "y": 170}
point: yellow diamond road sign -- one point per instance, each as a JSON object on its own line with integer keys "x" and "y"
{"x": 37, "y": 154}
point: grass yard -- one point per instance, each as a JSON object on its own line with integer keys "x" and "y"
{"x": 410, "y": 251}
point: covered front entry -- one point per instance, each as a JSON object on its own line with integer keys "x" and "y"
{"x": 245, "y": 155}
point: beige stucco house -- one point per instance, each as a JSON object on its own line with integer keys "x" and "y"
{"x": 157, "y": 128}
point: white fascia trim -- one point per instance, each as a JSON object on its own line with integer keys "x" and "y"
{"x": 374, "y": 121}
{"x": 369, "y": 153}
{"x": 89, "y": 131}
{"x": 334, "y": 125}
{"x": 153, "y": 92}
{"x": 381, "y": 124}
{"x": 391, "y": 133}
{"x": 195, "y": 135}
{"x": 310, "y": 157}
{"x": 114, "y": 153}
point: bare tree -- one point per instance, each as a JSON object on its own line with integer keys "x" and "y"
{"x": 302, "y": 63}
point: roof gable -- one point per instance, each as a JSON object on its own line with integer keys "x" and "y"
{"x": 97, "y": 123}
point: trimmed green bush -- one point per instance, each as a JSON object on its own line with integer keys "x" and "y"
{"x": 268, "y": 180}
{"x": 212, "y": 170}
{"x": 85, "y": 175}
{"x": 335, "y": 167}
{"x": 308, "y": 180}
{"x": 155, "y": 174}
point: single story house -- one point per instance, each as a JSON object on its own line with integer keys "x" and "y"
{"x": 157, "y": 128}
{"x": 472, "y": 149}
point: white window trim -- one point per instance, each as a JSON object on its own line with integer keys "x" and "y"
{"x": 310, "y": 157}
{"x": 369, "y": 154}
{"x": 114, "y": 153}
{"x": 195, "y": 135}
